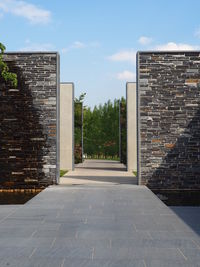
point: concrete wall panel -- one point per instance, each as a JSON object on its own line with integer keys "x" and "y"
{"x": 131, "y": 126}
{"x": 66, "y": 126}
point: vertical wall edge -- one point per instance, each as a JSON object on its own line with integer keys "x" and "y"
{"x": 58, "y": 122}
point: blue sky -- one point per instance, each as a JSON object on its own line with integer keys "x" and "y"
{"x": 98, "y": 39}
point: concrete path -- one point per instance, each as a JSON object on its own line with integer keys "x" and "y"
{"x": 98, "y": 172}
{"x": 99, "y": 225}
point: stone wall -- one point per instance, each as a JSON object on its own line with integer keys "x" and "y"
{"x": 29, "y": 122}
{"x": 168, "y": 88}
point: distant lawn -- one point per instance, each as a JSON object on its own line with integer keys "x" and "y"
{"x": 63, "y": 172}
{"x": 114, "y": 158}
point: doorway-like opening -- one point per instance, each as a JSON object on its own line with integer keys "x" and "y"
{"x": 100, "y": 132}
{"x": 101, "y": 143}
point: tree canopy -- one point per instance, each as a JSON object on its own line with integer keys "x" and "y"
{"x": 4, "y": 69}
{"x": 101, "y": 130}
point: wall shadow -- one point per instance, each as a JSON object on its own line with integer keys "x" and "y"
{"x": 180, "y": 168}
{"x": 190, "y": 216}
{"x": 22, "y": 139}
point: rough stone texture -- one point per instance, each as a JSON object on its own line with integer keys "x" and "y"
{"x": 28, "y": 121}
{"x": 169, "y": 119}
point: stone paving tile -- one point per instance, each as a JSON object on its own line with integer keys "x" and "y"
{"x": 103, "y": 263}
{"x": 70, "y": 242}
{"x": 163, "y": 235}
{"x": 138, "y": 253}
{"x": 25, "y": 242}
{"x": 153, "y": 226}
{"x": 155, "y": 243}
{"x": 191, "y": 253}
{"x": 30, "y": 262}
{"x": 15, "y": 252}
{"x": 102, "y": 234}
{"x": 171, "y": 263}
{"x": 55, "y": 233}
{"x": 17, "y": 232}
{"x": 77, "y": 252}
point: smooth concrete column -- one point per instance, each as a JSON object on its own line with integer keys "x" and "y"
{"x": 66, "y": 126}
{"x": 131, "y": 98}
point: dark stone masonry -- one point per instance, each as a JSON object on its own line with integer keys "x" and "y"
{"x": 29, "y": 122}
{"x": 168, "y": 89}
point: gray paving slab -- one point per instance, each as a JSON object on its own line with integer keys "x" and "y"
{"x": 99, "y": 224}
{"x": 103, "y": 263}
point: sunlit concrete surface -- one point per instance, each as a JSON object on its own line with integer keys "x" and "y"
{"x": 66, "y": 126}
{"x": 131, "y": 98}
{"x": 98, "y": 172}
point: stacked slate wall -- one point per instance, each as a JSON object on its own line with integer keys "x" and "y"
{"x": 168, "y": 88}
{"x": 29, "y": 122}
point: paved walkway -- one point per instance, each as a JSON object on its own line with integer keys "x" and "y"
{"x": 99, "y": 225}
{"x": 99, "y": 172}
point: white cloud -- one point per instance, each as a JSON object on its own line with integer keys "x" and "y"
{"x": 143, "y": 40}
{"x": 74, "y": 45}
{"x": 79, "y": 45}
{"x": 125, "y": 55}
{"x": 177, "y": 46}
{"x": 23, "y": 9}
{"x": 95, "y": 44}
{"x": 29, "y": 46}
{"x": 126, "y": 75}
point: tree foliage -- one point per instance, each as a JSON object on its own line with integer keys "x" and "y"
{"x": 78, "y": 128}
{"x": 4, "y": 69}
{"x": 101, "y": 130}
{"x": 123, "y": 131}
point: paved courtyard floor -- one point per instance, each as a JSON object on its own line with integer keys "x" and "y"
{"x": 99, "y": 172}
{"x": 99, "y": 225}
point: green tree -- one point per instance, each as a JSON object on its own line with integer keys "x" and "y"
{"x": 123, "y": 131}
{"x": 4, "y": 69}
{"x": 101, "y": 130}
{"x": 78, "y": 127}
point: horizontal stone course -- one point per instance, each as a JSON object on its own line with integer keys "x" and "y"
{"x": 169, "y": 119}
{"x": 28, "y": 121}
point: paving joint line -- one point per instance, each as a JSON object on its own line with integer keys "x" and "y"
{"x": 34, "y": 232}
{"x": 144, "y": 263}
{"x": 182, "y": 254}
{"x": 32, "y": 253}
{"x": 196, "y": 243}
{"x": 93, "y": 250}
{"x": 63, "y": 262}
{"x": 53, "y": 242}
